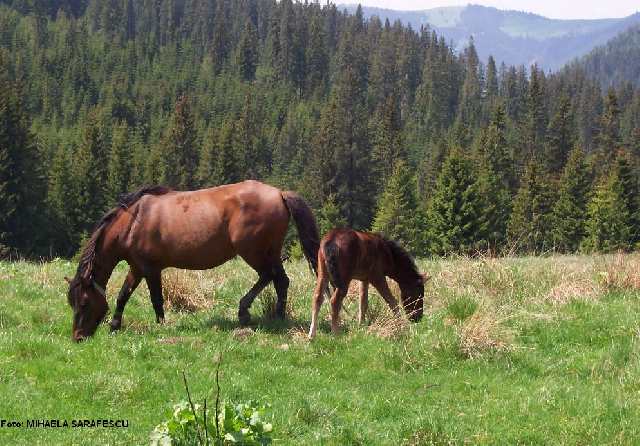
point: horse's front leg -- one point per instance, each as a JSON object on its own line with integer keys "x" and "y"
{"x": 130, "y": 284}
{"x": 154, "y": 282}
{"x": 364, "y": 300}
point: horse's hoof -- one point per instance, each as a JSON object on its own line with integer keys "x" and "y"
{"x": 114, "y": 327}
{"x": 244, "y": 318}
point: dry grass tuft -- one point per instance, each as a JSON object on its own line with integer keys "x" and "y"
{"x": 385, "y": 324}
{"x": 484, "y": 332}
{"x": 569, "y": 290}
{"x": 620, "y": 272}
{"x": 184, "y": 291}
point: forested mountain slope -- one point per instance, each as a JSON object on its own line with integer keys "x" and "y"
{"x": 515, "y": 37}
{"x": 379, "y": 126}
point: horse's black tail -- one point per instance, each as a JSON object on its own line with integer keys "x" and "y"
{"x": 331, "y": 253}
{"x": 306, "y": 226}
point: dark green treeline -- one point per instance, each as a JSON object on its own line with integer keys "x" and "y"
{"x": 379, "y": 126}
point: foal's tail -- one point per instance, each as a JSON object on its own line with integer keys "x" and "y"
{"x": 306, "y": 225}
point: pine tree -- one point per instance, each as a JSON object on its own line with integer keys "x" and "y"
{"x": 529, "y": 227}
{"x": 247, "y": 52}
{"x": 628, "y": 181}
{"x": 570, "y": 209}
{"x": 607, "y": 225}
{"x": 119, "y": 164}
{"x": 21, "y": 184}
{"x": 399, "y": 215}
{"x": 179, "y": 145}
{"x": 317, "y": 54}
{"x": 455, "y": 215}
{"x": 221, "y": 42}
{"x": 208, "y": 158}
{"x": 388, "y": 143}
{"x": 607, "y": 140}
{"x": 561, "y": 136}
{"x": 227, "y": 171}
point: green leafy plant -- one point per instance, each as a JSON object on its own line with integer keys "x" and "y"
{"x": 237, "y": 424}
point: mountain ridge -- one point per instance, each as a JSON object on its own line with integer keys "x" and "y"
{"x": 513, "y": 37}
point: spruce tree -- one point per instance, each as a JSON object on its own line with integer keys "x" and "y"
{"x": 179, "y": 145}
{"x": 399, "y": 214}
{"x": 570, "y": 210}
{"x": 561, "y": 136}
{"x": 119, "y": 165}
{"x": 247, "y": 52}
{"x": 456, "y": 213}
{"x": 607, "y": 226}
{"x": 529, "y": 226}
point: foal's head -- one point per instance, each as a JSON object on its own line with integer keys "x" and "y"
{"x": 410, "y": 280}
{"x": 89, "y": 304}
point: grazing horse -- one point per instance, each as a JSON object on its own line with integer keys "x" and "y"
{"x": 155, "y": 227}
{"x": 346, "y": 254}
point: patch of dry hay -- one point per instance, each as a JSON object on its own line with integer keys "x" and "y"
{"x": 184, "y": 291}
{"x": 572, "y": 289}
{"x": 483, "y": 332}
{"x": 619, "y": 272}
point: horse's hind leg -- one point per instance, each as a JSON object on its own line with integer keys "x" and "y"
{"x": 281, "y": 284}
{"x": 154, "y": 282}
{"x": 318, "y": 298}
{"x": 364, "y": 300}
{"x": 335, "y": 304}
{"x": 130, "y": 283}
{"x": 247, "y": 299}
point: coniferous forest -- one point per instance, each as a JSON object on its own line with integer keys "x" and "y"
{"x": 379, "y": 126}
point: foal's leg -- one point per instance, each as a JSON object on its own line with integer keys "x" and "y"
{"x": 154, "y": 282}
{"x": 383, "y": 288}
{"x": 247, "y": 299}
{"x": 281, "y": 283}
{"x": 364, "y": 300}
{"x": 318, "y": 298}
{"x": 130, "y": 283}
{"x": 335, "y": 304}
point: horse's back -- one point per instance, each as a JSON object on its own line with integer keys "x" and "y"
{"x": 204, "y": 228}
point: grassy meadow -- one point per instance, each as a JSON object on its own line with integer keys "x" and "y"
{"x": 517, "y": 350}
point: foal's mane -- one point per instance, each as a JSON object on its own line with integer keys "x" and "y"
{"x": 88, "y": 258}
{"x": 401, "y": 257}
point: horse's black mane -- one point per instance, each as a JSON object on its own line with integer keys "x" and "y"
{"x": 400, "y": 255}
{"x": 87, "y": 260}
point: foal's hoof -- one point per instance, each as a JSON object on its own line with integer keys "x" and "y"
{"x": 114, "y": 327}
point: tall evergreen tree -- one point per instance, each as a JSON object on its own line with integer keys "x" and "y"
{"x": 607, "y": 225}
{"x": 247, "y": 52}
{"x": 21, "y": 184}
{"x": 561, "y": 136}
{"x": 179, "y": 144}
{"x": 529, "y": 228}
{"x": 399, "y": 215}
{"x": 570, "y": 208}
{"x": 455, "y": 215}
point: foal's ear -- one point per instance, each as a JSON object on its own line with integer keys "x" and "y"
{"x": 423, "y": 278}
{"x": 68, "y": 280}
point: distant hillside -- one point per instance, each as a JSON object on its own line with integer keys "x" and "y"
{"x": 517, "y": 38}
{"x": 615, "y": 62}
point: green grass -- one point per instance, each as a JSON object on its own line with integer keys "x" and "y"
{"x": 531, "y": 351}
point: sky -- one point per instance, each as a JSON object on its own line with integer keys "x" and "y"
{"x": 554, "y": 9}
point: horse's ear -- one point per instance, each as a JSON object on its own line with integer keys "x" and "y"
{"x": 423, "y": 278}
{"x": 68, "y": 280}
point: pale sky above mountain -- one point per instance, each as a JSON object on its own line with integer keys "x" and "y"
{"x": 555, "y": 9}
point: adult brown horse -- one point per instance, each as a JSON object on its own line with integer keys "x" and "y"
{"x": 155, "y": 227}
{"x": 346, "y": 254}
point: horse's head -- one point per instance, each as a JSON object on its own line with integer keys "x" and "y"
{"x": 412, "y": 294}
{"x": 89, "y": 305}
